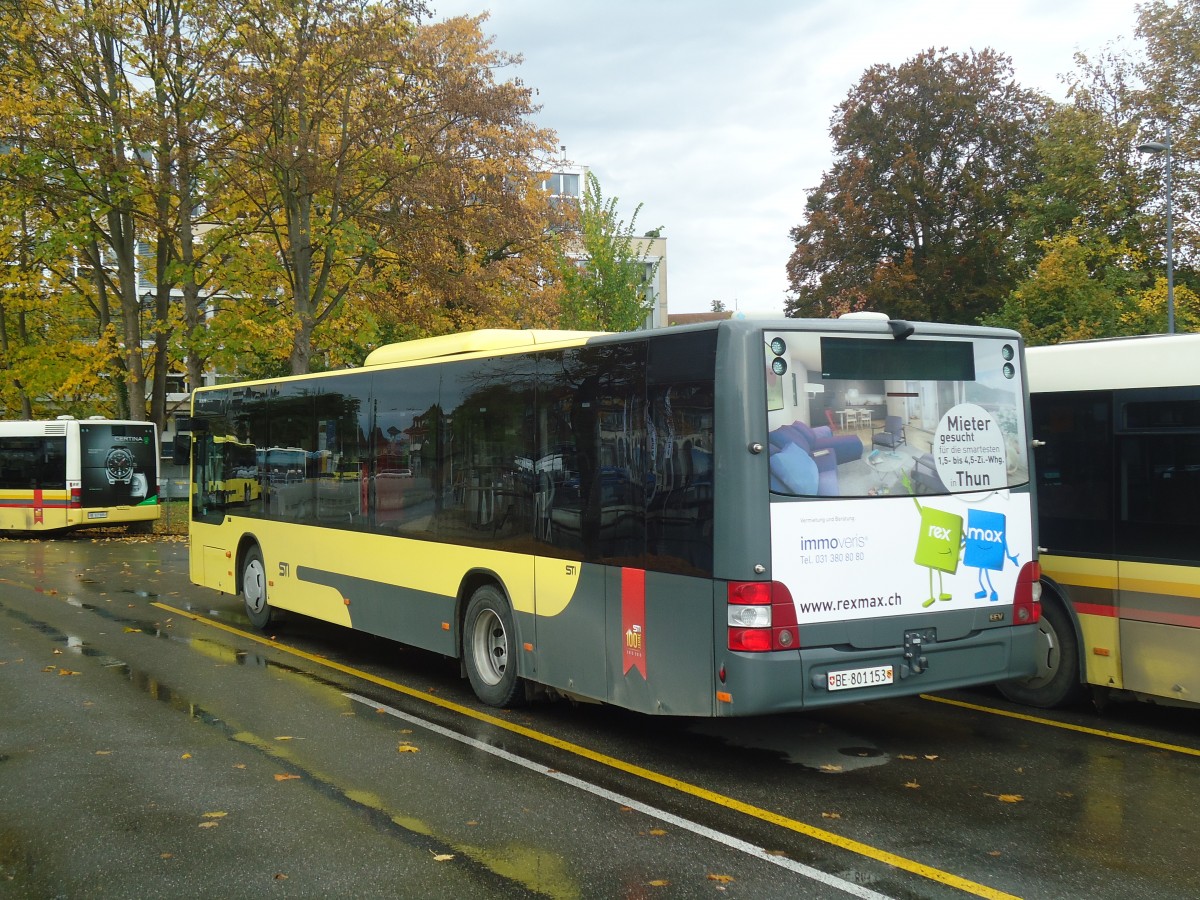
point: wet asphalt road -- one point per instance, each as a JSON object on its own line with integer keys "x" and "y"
{"x": 151, "y": 746}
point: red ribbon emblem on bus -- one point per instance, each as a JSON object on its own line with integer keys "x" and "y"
{"x": 633, "y": 619}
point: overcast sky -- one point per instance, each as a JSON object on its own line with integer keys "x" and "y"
{"x": 715, "y": 115}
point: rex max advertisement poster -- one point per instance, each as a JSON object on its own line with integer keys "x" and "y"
{"x": 898, "y": 555}
{"x": 118, "y": 464}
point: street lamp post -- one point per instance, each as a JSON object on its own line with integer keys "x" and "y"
{"x": 1165, "y": 147}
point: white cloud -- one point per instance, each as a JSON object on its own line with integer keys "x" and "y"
{"x": 715, "y": 116}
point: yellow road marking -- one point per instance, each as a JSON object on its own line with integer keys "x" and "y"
{"x": 819, "y": 834}
{"x": 1066, "y": 726}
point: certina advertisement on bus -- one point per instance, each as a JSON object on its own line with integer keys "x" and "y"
{"x": 117, "y": 463}
{"x": 928, "y": 435}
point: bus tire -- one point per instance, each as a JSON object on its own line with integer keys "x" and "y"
{"x": 254, "y": 588}
{"x": 489, "y": 648}
{"x": 1056, "y": 682}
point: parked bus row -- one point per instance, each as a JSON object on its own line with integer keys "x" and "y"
{"x": 584, "y": 486}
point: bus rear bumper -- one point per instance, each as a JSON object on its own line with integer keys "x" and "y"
{"x": 793, "y": 680}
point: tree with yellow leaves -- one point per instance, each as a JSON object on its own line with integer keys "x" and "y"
{"x": 380, "y": 163}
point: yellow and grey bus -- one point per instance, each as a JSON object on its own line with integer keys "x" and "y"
{"x": 1117, "y": 426}
{"x": 77, "y": 473}
{"x": 725, "y": 519}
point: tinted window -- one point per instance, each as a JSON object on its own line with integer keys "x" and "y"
{"x": 1158, "y": 493}
{"x": 571, "y": 453}
{"x": 1074, "y": 471}
{"x": 33, "y": 462}
{"x": 591, "y": 464}
{"x": 679, "y": 483}
{"x": 406, "y": 448}
{"x": 481, "y": 452}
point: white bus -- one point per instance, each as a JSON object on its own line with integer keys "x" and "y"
{"x": 77, "y": 473}
{"x": 1117, "y": 425}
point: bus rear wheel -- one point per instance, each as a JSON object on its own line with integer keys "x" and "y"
{"x": 254, "y": 588}
{"x": 1056, "y": 682}
{"x": 489, "y": 649}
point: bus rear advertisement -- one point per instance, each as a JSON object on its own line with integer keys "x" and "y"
{"x": 735, "y": 518}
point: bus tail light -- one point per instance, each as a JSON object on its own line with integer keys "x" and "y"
{"x": 1027, "y": 602}
{"x": 76, "y": 498}
{"x": 761, "y": 617}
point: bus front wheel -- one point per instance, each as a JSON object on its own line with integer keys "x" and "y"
{"x": 254, "y": 588}
{"x": 1056, "y": 682}
{"x": 489, "y": 648}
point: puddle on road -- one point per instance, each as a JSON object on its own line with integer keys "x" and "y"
{"x": 491, "y": 866}
{"x": 800, "y": 740}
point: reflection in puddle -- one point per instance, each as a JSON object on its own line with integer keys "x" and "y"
{"x": 802, "y": 741}
{"x": 529, "y": 867}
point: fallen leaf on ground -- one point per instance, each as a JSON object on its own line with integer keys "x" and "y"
{"x": 720, "y": 879}
{"x": 442, "y": 857}
{"x": 657, "y": 832}
{"x": 209, "y": 824}
{"x": 658, "y": 882}
{"x": 831, "y": 767}
{"x": 912, "y": 784}
{"x": 215, "y": 815}
{"x": 831, "y": 815}
{"x": 286, "y": 777}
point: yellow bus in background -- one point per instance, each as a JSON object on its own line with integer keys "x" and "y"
{"x": 78, "y": 473}
{"x": 1117, "y": 427}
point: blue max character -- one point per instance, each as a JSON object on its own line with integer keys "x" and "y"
{"x": 986, "y": 548}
